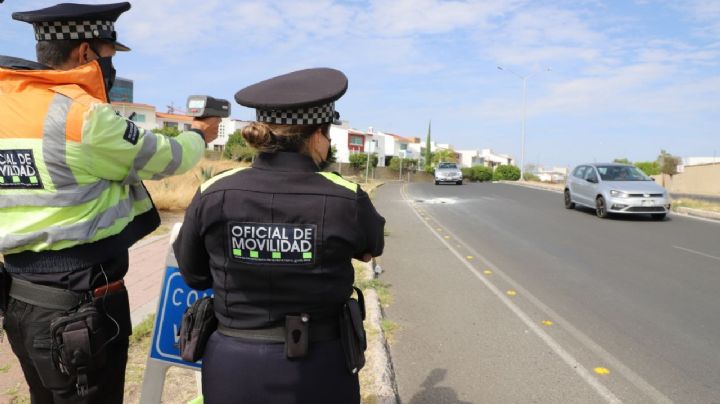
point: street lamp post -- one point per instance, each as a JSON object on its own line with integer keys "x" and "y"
{"x": 522, "y": 136}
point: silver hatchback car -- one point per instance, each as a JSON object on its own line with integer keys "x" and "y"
{"x": 616, "y": 188}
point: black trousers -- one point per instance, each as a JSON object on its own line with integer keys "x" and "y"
{"x": 28, "y": 331}
{"x": 242, "y": 371}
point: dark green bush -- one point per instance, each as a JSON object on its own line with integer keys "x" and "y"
{"x": 467, "y": 173}
{"x": 506, "y": 173}
{"x": 482, "y": 173}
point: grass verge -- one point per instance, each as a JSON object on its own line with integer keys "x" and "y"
{"x": 696, "y": 204}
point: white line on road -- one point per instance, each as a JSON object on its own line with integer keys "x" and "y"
{"x": 603, "y": 391}
{"x": 638, "y": 381}
{"x": 697, "y": 252}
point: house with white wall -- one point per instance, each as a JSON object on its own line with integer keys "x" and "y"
{"x": 144, "y": 114}
{"x": 227, "y": 127}
{"x": 483, "y": 157}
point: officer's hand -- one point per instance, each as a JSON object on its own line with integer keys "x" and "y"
{"x": 366, "y": 257}
{"x": 209, "y": 126}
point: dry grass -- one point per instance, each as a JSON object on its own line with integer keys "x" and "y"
{"x": 175, "y": 193}
{"x": 696, "y": 204}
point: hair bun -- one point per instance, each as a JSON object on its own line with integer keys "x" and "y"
{"x": 259, "y": 136}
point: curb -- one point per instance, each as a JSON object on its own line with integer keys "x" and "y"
{"x": 385, "y": 391}
{"x": 683, "y": 211}
{"x": 529, "y": 185}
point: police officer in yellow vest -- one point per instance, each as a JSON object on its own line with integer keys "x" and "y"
{"x": 72, "y": 203}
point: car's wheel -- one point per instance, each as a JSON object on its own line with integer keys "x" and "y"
{"x": 459, "y": 182}
{"x": 658, "y": 216}
{"x": 569, "y": 204}
{"x": 601, "y": 207}
{"x": 437, "y": 182}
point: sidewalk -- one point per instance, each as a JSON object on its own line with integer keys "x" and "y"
{"x": 143, "y": 281}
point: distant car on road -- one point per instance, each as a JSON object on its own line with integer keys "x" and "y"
{"x": 448, "y": 172}
{"x": 615, "y": 188}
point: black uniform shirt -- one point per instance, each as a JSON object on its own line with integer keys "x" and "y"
{"x": 277, "y": 239}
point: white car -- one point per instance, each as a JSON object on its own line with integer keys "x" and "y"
{"x": 616, "y": 188}
{"x": 448, "y": 172}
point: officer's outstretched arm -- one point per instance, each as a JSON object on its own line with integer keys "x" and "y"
{"x": 192, "y": 257}
{"x": 116, "y": 149}
{"x": 372, "y": 225}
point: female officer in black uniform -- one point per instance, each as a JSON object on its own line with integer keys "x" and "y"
{"x": 275, "y": 243}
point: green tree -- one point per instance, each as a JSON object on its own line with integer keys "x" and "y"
{"x": 506, "y": 173}
{"x": 444, "y": 155}
{"x": 668, "y": 163}
{"x": 170, "y": 131}
{"x": 237, "y": 149}
{"x": 622, "y": 161}
{"x": 648, "y": 167}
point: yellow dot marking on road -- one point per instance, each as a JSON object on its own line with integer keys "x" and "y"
{"x": 547, "y": 323}
{"x": 469, "y": 257}
{"x": 487, "y": 272}
{"x": 439, "y": 229}
{"x": 446, "y": 237}
{"x": 511, "y": 293}
{"x": 602, "y": 371}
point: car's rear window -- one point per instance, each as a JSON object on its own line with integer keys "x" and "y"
{"x": 447, "y": 165}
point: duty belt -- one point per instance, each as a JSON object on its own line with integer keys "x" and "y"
{"x": 56, "y": 298}
{"x": 322, "y": 331}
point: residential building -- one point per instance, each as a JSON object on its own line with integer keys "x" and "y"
{"x": 483, "y": 157}
{"x": 142, "y": 114}
{"x": 180, "y": 122}
{"x": 347, "y": 141}
{"x": 227, "y": 127}
{"x": 697, "y": 161}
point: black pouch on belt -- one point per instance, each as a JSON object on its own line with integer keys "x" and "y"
{"x": 198, "y": 323}
{"x": 78, "y": 343}
{"x": 352, "y": 332}
{"x": 4, "y": 290}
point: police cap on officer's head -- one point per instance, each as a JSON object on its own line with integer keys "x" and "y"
{"x": 304, "y": 97}
{"x": 76, "y": 21}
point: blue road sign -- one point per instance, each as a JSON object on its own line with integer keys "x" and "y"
{"x": 176, "y": 296}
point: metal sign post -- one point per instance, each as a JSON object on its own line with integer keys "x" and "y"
{"x": 175, "y": 297}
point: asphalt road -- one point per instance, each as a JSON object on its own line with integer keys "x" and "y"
{"x": 502, "y": 295}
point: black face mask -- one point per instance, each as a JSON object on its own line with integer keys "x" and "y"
{"x": 108, "y": 72}
{"x": 107, "y": 69}
{"x": 329, "y": 160}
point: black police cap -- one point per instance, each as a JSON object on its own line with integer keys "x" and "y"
{"x": 304, "y": 97}
{"x": 76, "y": 21}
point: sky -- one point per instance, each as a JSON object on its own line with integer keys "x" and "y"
{"x": 605, "y": 79}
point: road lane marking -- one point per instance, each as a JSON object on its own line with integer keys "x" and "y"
{"x": 602, "y": 371}
{"x": 638, "y": 381}
{"x": 487, "y": 272}
{"x": 697, "y": 252}
{"x": 547, "y": 323}
{"x": 469, "y": 257}
{"x": 573, "y": 363}
{"x": 511, "y": 293}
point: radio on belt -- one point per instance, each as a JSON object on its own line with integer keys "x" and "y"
{"x": 204, "y": 106}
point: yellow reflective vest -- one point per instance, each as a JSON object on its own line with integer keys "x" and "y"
{"x": 71, "y": 168}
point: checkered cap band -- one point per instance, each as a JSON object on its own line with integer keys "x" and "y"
{"x": 62, "y": 30}
{"x": 304, "y": 116}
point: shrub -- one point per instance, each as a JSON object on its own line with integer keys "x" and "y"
{"x": 482, "y": 173}
{"x": 531, "y": 177}
{"x": 506, "y": 173}
{"x": 359, "y": 160}
{"x": 467, "y": 173}
{"x": 407, "y": 164}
